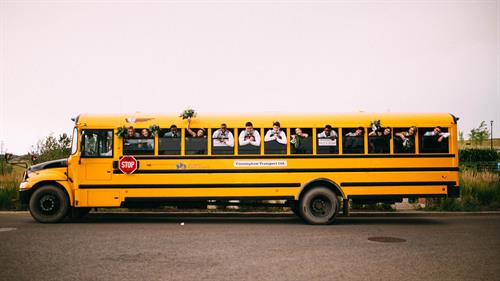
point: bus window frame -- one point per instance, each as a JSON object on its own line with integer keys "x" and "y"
{"x": 319, "y": 130}
{"x": 210, "y": 139}
{"x": 181, "y": 148}
{"x": 82, "y": 143}
{"x": 188, "y": 137}
{"x": 138, "y": 131}
{"x": 74, "y": 141}
{"x": 421, "y": 132}
{"x": 286, "y": 145}
{"x": 397, "y": 130}
{"x": 343, "y": 139}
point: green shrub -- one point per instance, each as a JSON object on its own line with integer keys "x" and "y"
{"x": 9, "y": 189}
{"x": 480, "y": 191}
{"x": 477, "y": 155}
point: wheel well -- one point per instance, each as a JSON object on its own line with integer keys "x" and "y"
{"x": 321, "y": 182}
{"x": 54, "y": 183}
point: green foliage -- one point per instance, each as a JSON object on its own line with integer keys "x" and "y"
{"x": 9, "y": 196}
{"x": 51, "y": 148}
{"x": 9, "y": 184}
{"x": 188, "y": 113}
{"x": 121, "y": 132}
{"x": 461, "y": 138}
{"x": 477, "y": 155}
{"x": 480, "y": 191}
{"x": 4, "y": 167}
{"x": 154, "y": 129}
{"x": 479, "y": 134}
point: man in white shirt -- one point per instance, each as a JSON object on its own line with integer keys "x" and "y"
{"x": 223, "y": 137}
{"x": 437, "y": 133}
{"x": 249, "y": 136}
{"x": 328, "y": 133}
{"x": 275, "y": 134}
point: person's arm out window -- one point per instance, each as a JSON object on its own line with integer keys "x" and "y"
{"x": 268, "y": 137}
{"x": 242, "y": 140}
{"x": 282, "y": 138}
{"x": 230, "y": 139}
{"x": 256, "y": 136}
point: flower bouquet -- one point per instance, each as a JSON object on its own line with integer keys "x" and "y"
{"x": 376, "y": 125}
{"x": 296, "y": 141}
{"x": 188, "y": 113}
{"x": 408, "y": 144}
{"x": 121, "y": 131}
{"x": 154, "y": 129}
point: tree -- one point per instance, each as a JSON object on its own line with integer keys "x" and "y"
{"x": 51, "y": 148}
{"x": 479, "y": 134}
{"x": 461, "y": 137}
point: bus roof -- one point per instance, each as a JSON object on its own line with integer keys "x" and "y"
{"x": 141, "y": 120}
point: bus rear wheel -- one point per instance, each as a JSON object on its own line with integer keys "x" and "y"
{"x": 319, "y": 206}
{"x": 49, "y": 204}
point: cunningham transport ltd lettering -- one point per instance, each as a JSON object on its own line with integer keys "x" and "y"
{"x": 267, "y": 163}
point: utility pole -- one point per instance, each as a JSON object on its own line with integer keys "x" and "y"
{"x": 491, "y": 134}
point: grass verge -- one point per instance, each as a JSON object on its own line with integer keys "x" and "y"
{"x": 480, "y": 192}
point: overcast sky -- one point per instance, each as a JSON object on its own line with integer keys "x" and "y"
{"x": 62, "y": 58}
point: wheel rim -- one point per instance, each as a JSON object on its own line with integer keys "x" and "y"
{"x": 320, "y": 206}
{"x": 48, "y": 204}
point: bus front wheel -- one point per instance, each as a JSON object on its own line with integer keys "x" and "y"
{"x": 319, "y": 206}
{"x": 49, "y": 204}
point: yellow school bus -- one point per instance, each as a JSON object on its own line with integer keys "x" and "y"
{"x": 314, "y": 163}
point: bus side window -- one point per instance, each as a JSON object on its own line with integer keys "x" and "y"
{"x": 223, "y": 141}
{"x": 168, "y": 145}
{"x": 433, "y": 142}
{"x": 301, "y": 141}
{"x": 248, "y": 148}
{"x": 97, "y": 143}
{"x": 379, "y": 142}
{"x": 325, "y": 144}
{"x": 353, "y": 140}
{"x": 403, "y": 145}
{"x": 139, "y": 145}
{"x": 196, "y": 145}
{"x": 275, "y": 146}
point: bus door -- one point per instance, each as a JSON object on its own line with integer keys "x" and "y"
{"x": 96, "y": 158}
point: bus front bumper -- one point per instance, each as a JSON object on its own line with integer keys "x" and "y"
{"x": 24, "y": 194}
{"x": 453, "y": 191}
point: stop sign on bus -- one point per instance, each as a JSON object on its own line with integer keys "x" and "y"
{"x": 127, "y": 164}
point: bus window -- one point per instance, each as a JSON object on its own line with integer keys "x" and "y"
{"x": 433, "y": 140}
{"x": 327, "y": 140}
{"x": 222, "y": 141}
{"x": 142, "y": 144}
{"x": 379, "y": 141}
{"x": 249, "y": 141}
{"x": 404, "y": 140}
{"x": 353, "y": 140}
{"x": 168, "y": 143}
{"x": 301, "y": 141}
{"x": 275, "y": 141}
{"x": 196, "y": 144}
{"x": 97, "y": 143}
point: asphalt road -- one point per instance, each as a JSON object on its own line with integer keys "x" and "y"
{"x": 277, "y": 248}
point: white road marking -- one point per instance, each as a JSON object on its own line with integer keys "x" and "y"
{"x": 5, "y": 229}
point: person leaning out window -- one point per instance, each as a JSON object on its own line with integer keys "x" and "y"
{"x": 276, "y": 134}
{"x": 249, "y": 136}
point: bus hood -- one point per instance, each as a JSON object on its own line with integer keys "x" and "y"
{"x": 60, "y": 163}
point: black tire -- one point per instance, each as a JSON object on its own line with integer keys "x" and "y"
{"x": 319, "y": 206}
{"x": 49, "y": 204}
